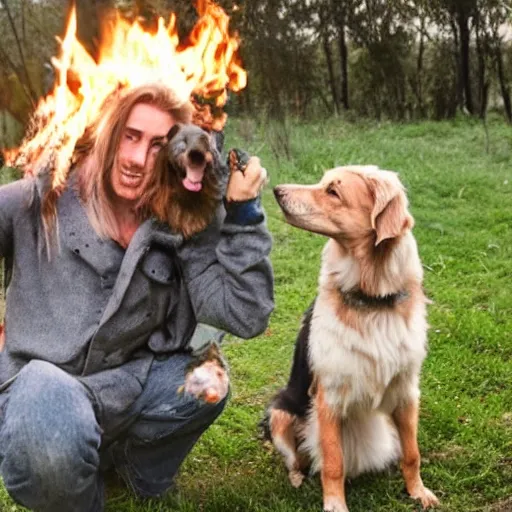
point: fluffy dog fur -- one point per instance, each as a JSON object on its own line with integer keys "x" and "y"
{"x": 352, "y": 399}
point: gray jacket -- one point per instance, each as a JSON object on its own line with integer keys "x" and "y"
{"x": 102, "y": 313}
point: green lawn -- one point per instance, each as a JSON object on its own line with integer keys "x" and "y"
{"x": 461, "y": 198}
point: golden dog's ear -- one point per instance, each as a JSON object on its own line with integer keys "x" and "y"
{"x": 390, "y": 217}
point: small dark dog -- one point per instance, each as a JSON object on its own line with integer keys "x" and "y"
{"x": 190, "y": 180}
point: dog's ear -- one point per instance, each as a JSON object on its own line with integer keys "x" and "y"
{"x": 173, "y": 131}
{"x": 390, "y": 217}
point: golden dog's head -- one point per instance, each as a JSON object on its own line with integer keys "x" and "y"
{"x": 350, "y": 204}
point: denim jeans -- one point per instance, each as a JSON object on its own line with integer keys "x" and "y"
{"x": 53, "y": 453}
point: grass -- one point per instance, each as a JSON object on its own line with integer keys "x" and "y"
{"x": 461, "y": 198}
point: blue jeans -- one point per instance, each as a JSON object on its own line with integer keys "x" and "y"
{"x": 53, "y": 453}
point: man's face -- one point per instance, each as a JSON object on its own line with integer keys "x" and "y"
{"x": 143, "y": 137}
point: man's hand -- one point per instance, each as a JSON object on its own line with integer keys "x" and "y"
{"x": 245, "y": 184}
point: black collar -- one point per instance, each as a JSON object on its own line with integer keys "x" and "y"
{"x": 357, "y": 299}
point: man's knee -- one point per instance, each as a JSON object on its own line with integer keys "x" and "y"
{"x": 166, "y": 408}
{"x": 51, "y": 404}
{"x": 183, "y": 416}
{"x": 38, "y": 475}
{"x": 50, "y": 438}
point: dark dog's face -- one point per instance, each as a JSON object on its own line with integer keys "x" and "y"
{"x": 190, "y": 180}
{"x": 192, "y": 158}
{"x": 348, "y": 204}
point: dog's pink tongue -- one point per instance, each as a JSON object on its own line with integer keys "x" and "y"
{"x": 192, "y": 181}
{"x": 192, "y": 186}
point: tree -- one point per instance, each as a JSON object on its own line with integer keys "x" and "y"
{"x": 27, "y": 45}
{"x": 341, "y": 11}
{"x": 458, "y": 14}
{"x": 497, "y": 12}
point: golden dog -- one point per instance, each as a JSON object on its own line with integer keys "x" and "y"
{"x": 352, "y": 399}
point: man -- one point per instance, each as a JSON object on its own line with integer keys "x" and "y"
{"x": 98, "y": 327}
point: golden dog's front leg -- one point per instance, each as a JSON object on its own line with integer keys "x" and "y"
{"x": 282, "y": 428}
{"x": 331, "y": 447}
{"x": 406, "y": 420}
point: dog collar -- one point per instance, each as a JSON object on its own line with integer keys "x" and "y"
{"x": 360, "y": 300}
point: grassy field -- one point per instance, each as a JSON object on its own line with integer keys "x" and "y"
{"x": 460, "y": 188}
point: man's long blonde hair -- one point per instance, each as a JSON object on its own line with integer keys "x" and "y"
{"x": 96, "y": 151}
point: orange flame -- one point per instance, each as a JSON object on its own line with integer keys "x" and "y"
{"x": 206, "y": 65}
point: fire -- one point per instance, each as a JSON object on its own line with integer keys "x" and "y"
{"x": 206, "y": 65}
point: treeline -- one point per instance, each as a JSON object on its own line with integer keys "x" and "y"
{"x": 390, "y": 59}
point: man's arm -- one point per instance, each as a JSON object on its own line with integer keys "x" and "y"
{"x": 226, "y": 267}
{"x": 14, "y": 197}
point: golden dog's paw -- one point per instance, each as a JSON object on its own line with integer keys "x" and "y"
{"x": 296, "y": 478}
{"x": 334, "y": 504}
{"x": 208, "y": 382}
{"x": 427, "y": 497}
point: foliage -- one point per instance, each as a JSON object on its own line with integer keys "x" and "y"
{"x": 383, "y": 59}
{"x": 28, "y": 42}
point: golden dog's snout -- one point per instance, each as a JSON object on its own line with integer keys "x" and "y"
{"x": 279, "y": 192}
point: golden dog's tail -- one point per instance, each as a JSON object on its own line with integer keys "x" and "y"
{"x": 370, "y": 443}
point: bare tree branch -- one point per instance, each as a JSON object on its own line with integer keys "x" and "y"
{"x": 5, "y": 57}
{"x": 33, "y": 95}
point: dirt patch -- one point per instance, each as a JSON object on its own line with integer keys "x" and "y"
{"x": 450, "y": 453}
{"x": 501, "y": 506}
